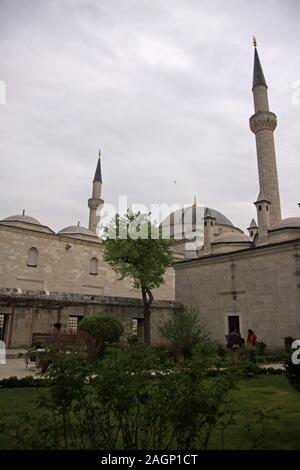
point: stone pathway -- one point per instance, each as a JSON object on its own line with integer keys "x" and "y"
{"x": 15, "y": 368}
{"x": 273, "y": 365}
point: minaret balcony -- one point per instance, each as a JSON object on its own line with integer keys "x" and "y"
{"x": 94, "y": 203}
{"x": 263, "y": 120}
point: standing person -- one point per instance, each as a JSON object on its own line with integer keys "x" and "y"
{"x": 251, "y": 338}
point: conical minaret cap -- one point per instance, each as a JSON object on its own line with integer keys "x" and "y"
{"x": 258, "y": 74}
{"x": 98, "y": 174}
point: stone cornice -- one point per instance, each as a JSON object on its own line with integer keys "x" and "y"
{"x": 61, "y": 299}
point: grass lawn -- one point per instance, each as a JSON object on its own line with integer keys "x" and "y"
{"x": 263, "y": 392}
{"x": 268, "y": 392}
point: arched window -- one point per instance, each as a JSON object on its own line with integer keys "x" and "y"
{"x": 94, "y": 266}
{"x": 32, "y": 259}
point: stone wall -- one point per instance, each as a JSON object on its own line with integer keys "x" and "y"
{"x": 35, "y": 312}
{"x": 63, "y": 266}
{"x": 261, "y": 285}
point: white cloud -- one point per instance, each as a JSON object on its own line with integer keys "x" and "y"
{"x": 163, "y": 87}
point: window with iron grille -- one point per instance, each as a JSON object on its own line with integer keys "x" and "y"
{"x": 73, "y": 324}
{"x": 233, "y": 323}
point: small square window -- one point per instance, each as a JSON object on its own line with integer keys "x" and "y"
{"x": 73, "y": 324}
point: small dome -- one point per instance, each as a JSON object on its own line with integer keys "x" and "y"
{"x": 25, "y": 219}
{"x": 291, "y": 222}
{"x": 232, "y": 237}
{"x": 76, "y": 230}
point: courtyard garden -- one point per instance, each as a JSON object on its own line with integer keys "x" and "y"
{"x": 98, "y": 390}
{"x": 265, "y": 392}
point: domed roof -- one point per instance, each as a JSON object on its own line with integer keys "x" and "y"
{"x": 76, "y": 230}
{"x": 290, "y": 222}
{"x": 232, "y": 237}
{"x": 221, "y": 219}
{"x": 26, "y": 219}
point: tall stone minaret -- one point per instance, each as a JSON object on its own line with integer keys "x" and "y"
{"x": 95, "y": 202}
{"x": 263, "y": 124}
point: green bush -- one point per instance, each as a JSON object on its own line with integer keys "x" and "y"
{"x": 261, "y": 348}
{"x": 184, "y": 330}
{"x": 270, "y": 358}
{"x": 98, "y": 331}
{"x": 136, "y": 399}
{"x": 288, "y": 341}
{"x": 14, "y": 382}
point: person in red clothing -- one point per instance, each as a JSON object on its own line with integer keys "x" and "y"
{"x": 251, "y": 338}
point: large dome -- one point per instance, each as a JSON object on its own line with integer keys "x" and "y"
{"x": 191, "y": 212}
{"x": 183, "y": 221}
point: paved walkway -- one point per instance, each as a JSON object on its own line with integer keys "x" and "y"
{"x": 15, "y": 367}
{"x": 273, "y": 365}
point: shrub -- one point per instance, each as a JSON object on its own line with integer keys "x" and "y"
{"x": 288, "y": 341}
{"x": 261, "y": 348}
{"x": 136, "y": 400}
{"x": 29, "y": 381}
{"x": 184, "y": 331}
{"x": 98, "y": 331}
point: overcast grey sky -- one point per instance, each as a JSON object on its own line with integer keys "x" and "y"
{"x": 163, "y": 87}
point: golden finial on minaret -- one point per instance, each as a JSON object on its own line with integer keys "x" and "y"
{"x": 194, "y": 202}
{"x": 99, "y": 153}
{"x": 254, "y": 41}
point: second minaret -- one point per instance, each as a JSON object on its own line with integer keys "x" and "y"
{"x": 263, "y": 124}
{"x": 95, "y": 202}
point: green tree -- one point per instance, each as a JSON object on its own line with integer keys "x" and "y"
{"x": 99, "y": 331}
{"x": 134, "y": 247}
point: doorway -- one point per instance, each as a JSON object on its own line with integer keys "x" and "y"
{"x": 233, "y": 323}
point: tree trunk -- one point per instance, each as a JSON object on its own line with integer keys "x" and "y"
{"x": 147, "y": 300}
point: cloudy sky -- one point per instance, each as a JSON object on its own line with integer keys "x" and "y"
{"x": 163, "y": 87}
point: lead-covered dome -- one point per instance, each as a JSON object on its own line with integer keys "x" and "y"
{"x": 26, "y": 222}
{"x": 290, "y": 222}
{"x": 193, "y": 211}
{"x": 77, "y": 231}
{"x": 21, "y": 218}
{"x": 285, "y": 230}
{"x": 232, "y": 237}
